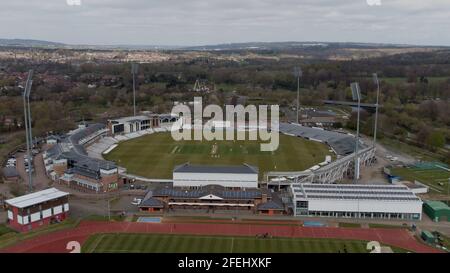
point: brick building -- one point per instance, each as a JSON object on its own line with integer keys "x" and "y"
{"x": 30, "y": 211}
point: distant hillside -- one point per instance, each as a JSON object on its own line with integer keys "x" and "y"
{"x": 29, "y": 43}
{"x": 263, "y": 46}
{"x": 295, "y": 45}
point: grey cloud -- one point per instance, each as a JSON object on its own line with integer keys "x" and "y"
{"x": 193, "y": 22}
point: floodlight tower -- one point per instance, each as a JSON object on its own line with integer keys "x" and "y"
{"x": 377, "y": 82}
{"x": 27, "y": 121}
{"x": 356, "y": 94}
{"x": 298, "y": 73}
{"x": 134, "y": 71}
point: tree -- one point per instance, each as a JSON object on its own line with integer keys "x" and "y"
{"x": 447, "y": 158}
{"x": 436, "y": 140}
{"x": 423, "y": 134}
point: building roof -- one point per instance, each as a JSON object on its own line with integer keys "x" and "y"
{"x": 131, "y": 119}
{"x": 86, "y": 172}
{"x": 215, "y": 190}
{"x": 152, "y": 203}
{"x": 167, "y": 116}
{"x": 437, "y": 205}
{"x": 69, "y": 148}
{"x": 428, "y": 234}
{"x": 319, "y": 120}
{"x": 354, "y": 192}
{"x": 85, "y": 132}
{"x": 272, "y": 205}
{"x": 10, "y": 172}
{"x": 242, "y": 169}
{"x": 54, "y": 137}
{"x": 319, "y": 113}
{"x": 36, "y": 198}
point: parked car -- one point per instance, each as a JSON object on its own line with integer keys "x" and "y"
{"x": 136, "y": 201}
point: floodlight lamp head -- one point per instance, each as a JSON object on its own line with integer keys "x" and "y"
{"x": 134, "y": 68}
{"x": 375, "y": 78}
{"x": 298, "y": 71}
{"x": 356, "y": 93}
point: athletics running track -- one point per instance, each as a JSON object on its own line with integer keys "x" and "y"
{"x": 57, "y": 241}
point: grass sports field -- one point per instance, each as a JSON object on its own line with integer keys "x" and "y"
{"x": 436, "y": 179}
{"x": 155, "y": 155}
{"x": 152, "y": 243}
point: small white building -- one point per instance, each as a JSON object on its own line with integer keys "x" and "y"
{"x": 142, "y": 122}
{"x": 52, "y": 140}
{"x": 131, "y": 124}
{"x": 37, "y": 209}
{"x": 195, "y": 176}
{"x": 356, "y": 201}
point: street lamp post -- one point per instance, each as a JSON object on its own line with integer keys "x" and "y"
{"x": 356, "y": 94}
{"x": 27, "y": 121}
{"x": 134, "y": 71}
{"x": 377, "y": 82}
{"x": 298, "y": 73}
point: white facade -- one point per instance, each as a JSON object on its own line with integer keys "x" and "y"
{"x": 34, "y": 217}
{"x": 364, "y": 206}
{"x": 109, "y": 172}
{"x": 229, "y": 180}
{"x": 52, "y": 141}
{"x": 131, "y": 124}
{"x": 356, "y": 201}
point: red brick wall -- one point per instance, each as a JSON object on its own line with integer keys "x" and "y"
{"x": 108, "y": 179}
{"x": 43, "y": 222}
{"x": 59, "y": 168}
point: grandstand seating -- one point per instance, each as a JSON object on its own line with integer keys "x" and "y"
{"x": 342, "y": 144}
{"x": 105, "y": 143}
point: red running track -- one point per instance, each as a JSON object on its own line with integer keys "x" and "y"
{"x": 57, "y": 241}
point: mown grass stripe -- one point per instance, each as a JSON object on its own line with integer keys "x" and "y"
{"x": 155, "y": 243}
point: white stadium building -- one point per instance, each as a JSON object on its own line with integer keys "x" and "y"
{"x": 356, "y": 201}
{"x": 196, "y": 176}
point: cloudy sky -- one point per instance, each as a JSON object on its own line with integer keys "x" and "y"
{"x": 200, "y": 22}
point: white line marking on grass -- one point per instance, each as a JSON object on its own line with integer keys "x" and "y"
{"x": 97, "y": 242}
{"x": 433, "y": 187}
{"x": 174, "y": 149}
{"x": 439, "y": 166}
{"x": 443, "y": 179}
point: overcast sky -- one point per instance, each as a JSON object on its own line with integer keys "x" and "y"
{"x": 200, "y": 22}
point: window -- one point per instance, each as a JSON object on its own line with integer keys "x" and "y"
{"x": 302, "y": 204}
